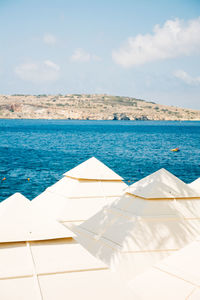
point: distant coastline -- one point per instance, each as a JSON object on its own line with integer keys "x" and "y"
{"x": 120, "y": 120}
{"x": 90, "y": 107}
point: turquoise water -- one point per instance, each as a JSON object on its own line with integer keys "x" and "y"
{"x": 43, "y": 150}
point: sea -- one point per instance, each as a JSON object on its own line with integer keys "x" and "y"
{"x": 34, "y": 154}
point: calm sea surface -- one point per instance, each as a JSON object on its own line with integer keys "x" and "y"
{"x": 43, "y": 150}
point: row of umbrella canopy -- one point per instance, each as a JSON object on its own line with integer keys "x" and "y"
{"x": 144, "y": 225}
{"x": 91, "y": 236}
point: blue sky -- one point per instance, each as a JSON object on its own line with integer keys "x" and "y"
{"x": 144, "y": 49}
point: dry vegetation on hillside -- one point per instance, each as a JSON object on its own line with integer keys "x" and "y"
{"x": 89, "y": 107}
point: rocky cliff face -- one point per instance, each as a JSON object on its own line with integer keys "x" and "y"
{"x": 89, "y": 107}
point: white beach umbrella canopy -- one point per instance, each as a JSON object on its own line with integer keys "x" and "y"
{"x": 161, "y": 184}
{"x": 81, "y": 193}
{"x": 93, "y": 169}
{"x": 176, "y": 277}
{"x": 39, "y": 259}
{"x": 21, "y": 222}
{"x": 56, "y": 269}
{"x": 195, "y": 185}
{"x": 16, "y": 201}
{"x": 133, "y": 233}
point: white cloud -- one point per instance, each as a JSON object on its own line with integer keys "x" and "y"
{"x": 185, "y": 77}
{"x": 80, "y": 55}
{"x": 38, "y": 72}
{"x": 52, "y": 65}
{"x": 49, "y": 39}
{"x": 175, "y": 38}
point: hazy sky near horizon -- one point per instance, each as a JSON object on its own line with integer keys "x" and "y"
{"x": 144, "y": 49}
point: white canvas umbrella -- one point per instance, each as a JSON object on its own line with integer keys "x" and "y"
{"x": 81, "y": 193}
{"x": 176, "y": 277}
{"x": 162, "y": 185}
{"x": 20, "y": 222}
{"x": 93, "y": 169}
{"x": 34, "y": 267}
{"x": 195, "y": 185}
{"x": 133, "y": 233}
{"x": 55, "y": 269}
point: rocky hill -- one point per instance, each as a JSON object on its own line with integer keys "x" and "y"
{"x": 89, "y": 107}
